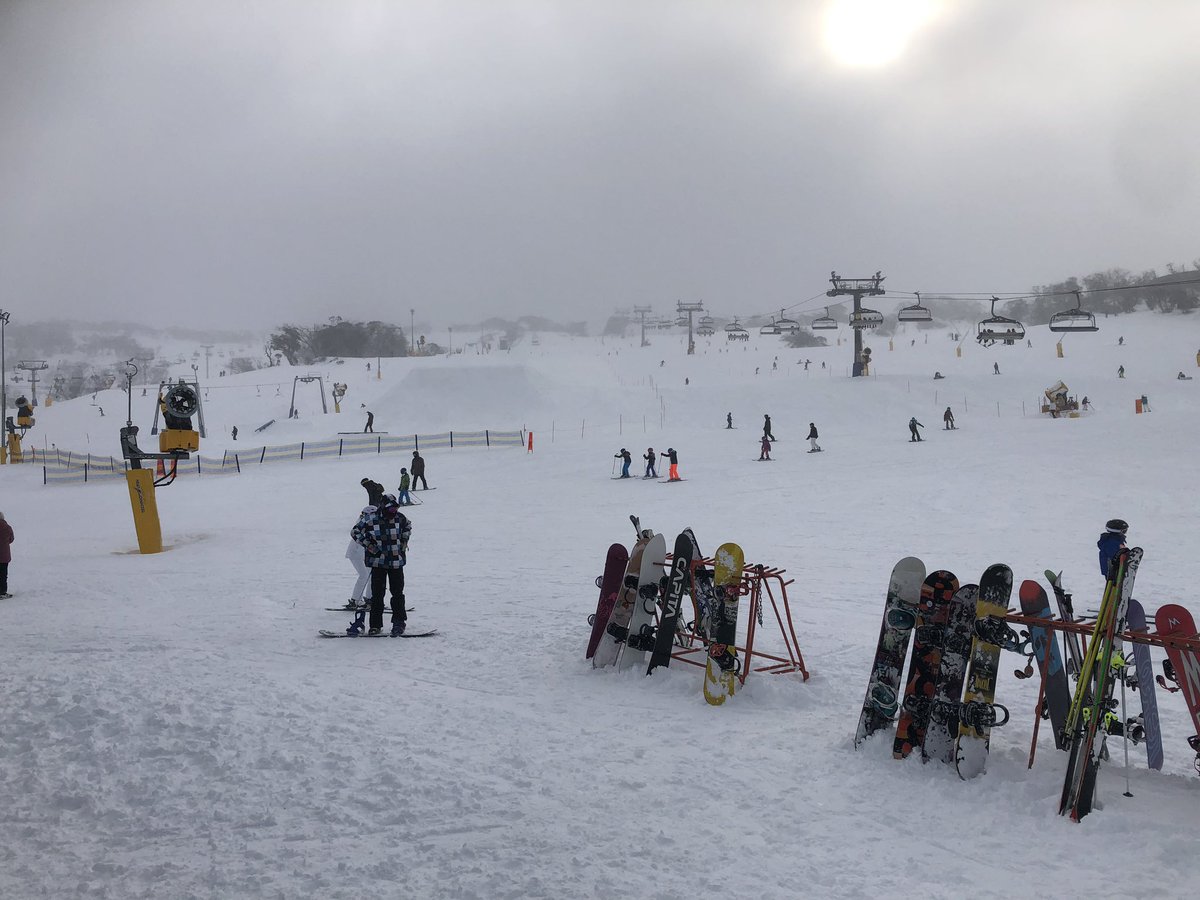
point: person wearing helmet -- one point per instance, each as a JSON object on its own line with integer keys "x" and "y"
{"x": 1111, "y": 542}
{"x": 764, "y": 453}
{"x": 673, "y": 458}
{"x": 383, "y": 532}
{"x": 649, "y": 456}
{"x": 626, "y": 461}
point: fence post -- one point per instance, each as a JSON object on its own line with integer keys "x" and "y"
{"x": 263, "y": 456}
{"x": 417, "y": 442}
{"x": 341, "y": 442}
{"x": 237, "y": 463}
{"x": 997, "y": 409}
{"x": 85, "y": 470}
{"x": 452, "y": 440}
{"x": 582, "y": 428}
{"x": 301, "y": 451}
{"x": 487, "y": 438}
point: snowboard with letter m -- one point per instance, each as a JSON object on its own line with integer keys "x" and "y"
{"x": 1173, "y": 620}
{"x": 721, "y": 667}
{"x": 899, "y": 617}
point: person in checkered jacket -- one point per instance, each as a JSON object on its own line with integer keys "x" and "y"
{"x": 383, "y": 531}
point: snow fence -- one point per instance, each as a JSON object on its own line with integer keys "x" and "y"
{"x": 67, "y": 467}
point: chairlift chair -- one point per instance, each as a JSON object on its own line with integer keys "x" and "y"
{"x": 706, "y": 326}
{"x": 735, "y": 332}
{"x": 824, "y": 323}
{"x": 773, "y": 328}
{"x": 866, "y": 318}
{"x": 1075, "y": 319}
{"x": 914, "y": 313}
{"x": 999, "y": 328}
{"x": 786, "y": 325}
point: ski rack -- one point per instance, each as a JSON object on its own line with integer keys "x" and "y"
{"x": 758, "y": 581}
{"x": 1086, "y": 629}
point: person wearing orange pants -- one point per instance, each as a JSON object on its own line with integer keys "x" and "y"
{"x": 673, "y": 458}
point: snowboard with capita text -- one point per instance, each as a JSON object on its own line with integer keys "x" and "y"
{"x": 641, "y": 623}
{"x": 617, "y": 628}
{"x": 1057, "y": 699}
{"x": 933, "y": 610}
{"x": 978, "y": 714}
{"x": 1135, "y": 620}
{"x": 610, "y": 588}
{"x": 1173, "y": 620}
{"x": 678, "y": 581}
{"x": 899, "y": 617}
{"x": 956, "y": 649}
{"x": 721, "y": 667}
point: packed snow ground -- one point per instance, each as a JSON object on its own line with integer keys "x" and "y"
{"x": 172, "y": 727}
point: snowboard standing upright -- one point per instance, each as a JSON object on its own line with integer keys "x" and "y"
{"x": 641, "y": 623}
{"x": 672, "y": 597}
{"x": 1174, "y": 620}
{"x": 899, "y": 617}
{"x": 610, "y": 589}
{"x": 1057, "y": 699}
{"x": 720, "y": 669}
{"x": 618, "y": 623}
{"x": 956, "y": 647}
{"x": 933, "y": 610}
{"x": 978, "y": 712}
{"x": 1144, "y": 667}
{"x": 703, "y": 593}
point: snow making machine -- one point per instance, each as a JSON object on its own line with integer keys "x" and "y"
{"x": 1060, "y": 402}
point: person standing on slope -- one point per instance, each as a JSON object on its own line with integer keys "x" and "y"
{"x": 673, "y": 458}
{"x": 765, "y": 452}
{"x": 370, "y": 426}
{"x": 913, "y": 425}
{"x": 626, "y": 461}
{"x": 417, "y": 468}
{"x": 728, "y": 420}
{"x": 650, "y": 457}
{"x": 948, "y": 418}
{"x": 6, "y": 539}
{"x": 767, "y": 428}
{"x": 1111, "y": 542}
{"x": 383, "y": 531}
{"x": 995, "y": 368}
{"x": 402, "y": 497}
{"x": 812, "y": 438}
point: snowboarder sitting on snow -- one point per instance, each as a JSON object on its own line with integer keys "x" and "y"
{"x": 938, "y": 376}
{"x": 673, "y": 457}
{"x": 812, "y": 438}
{"x": 649, "y": 456}
{"x": 765, "y": 452}
{"x": 402, "y": 497}
{"x": 1111, "y": 542}
{"x": 418, "y": 471}
{"x": 383, "y": 531}
{"x": 626, "y": 461}
{"x": 948, "y": 418}
{"x": 913, "y": 425}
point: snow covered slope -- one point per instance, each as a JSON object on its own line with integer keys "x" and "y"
{"x": 171, "y": 726}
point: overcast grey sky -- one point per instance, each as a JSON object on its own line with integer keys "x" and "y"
{"x": 284, "y": 161}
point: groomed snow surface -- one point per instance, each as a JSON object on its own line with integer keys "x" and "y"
{"x": 171, "y": 726}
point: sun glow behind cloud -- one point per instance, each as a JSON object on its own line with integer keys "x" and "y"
{"x": 874, "y": 33}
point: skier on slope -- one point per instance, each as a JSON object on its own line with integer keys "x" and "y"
{"x": 417, "y": 468}
{"x": 1111, "y": 542}
{"x": 673, "y": 458}
{"x": 402, "y": 497}
{"x": 913, "y": 425}
{"x": 649, "y": 456}
{"x": 812, "y": 438}
{"x": 767, "y": 428}
{"x": 626, "y": 461}
{"x": 765, "y": 452}
{"x": 948, "y": 418}
{"x": 6, "y": 539}
{"x": 383, "y": 531}
{"x": 729, "y": 417}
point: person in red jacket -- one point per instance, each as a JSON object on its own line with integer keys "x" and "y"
{"x": 6, "y": 539}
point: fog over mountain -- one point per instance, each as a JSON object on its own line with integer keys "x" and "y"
{"x": 228, "y": 165}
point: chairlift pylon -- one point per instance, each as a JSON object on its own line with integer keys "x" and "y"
{"x": 999, "y": 328}
{"x": 1075, "y": 319}
{"x": 915, "y": 313}
{"x": 824, "y": 323}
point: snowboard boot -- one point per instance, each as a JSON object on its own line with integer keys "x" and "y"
{"x": 397, "y": 629}
{"x": 373, "y": 631}
{"x": 357, "y": 626}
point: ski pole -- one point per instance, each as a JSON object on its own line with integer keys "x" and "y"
{"x": 1125, "y": 728}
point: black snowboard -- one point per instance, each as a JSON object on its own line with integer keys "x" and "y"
{"x": 677, "y": 578}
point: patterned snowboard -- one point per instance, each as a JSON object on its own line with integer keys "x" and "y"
{"x": 618, "y": 623}
{"x": 610, "y": 589}
{"x": 899, "y": 617}
{"x": 933, "y": 611}
{"x": 720, "y": 669}
{"x": 1057, "y": 700}
{"x": 641, "y": 624}
{"x": 956, "y": 648}
{"x": 970, "y": 759}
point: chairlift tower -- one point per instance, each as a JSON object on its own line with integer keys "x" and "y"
{"x": 689, "y": 309}
{"x": 33, "y": 366}
{"x": 641, "y": 312}
{"x": 856, "y": 288}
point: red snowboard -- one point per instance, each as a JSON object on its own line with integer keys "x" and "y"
{"x": 1173, "y": 619}
{"x": 610, "y": 587}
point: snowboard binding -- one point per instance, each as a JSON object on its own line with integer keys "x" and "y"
{"x": 359, "y": 625}
{"x": 940, "y": 636}
{"x": 982, "y": 715}
{"x": 902, "y": 619}
{"x": 1169, "y": 680}
{"x": 643, "y": 640}
{"x": 994, "y": 630}
{"x": 883, "y": 699}
{"x": 725, "y": 658}
{"x": 617, "y": 632}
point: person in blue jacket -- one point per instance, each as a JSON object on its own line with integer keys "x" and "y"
{"x": 626, "y": 461}
{"x": 1111, "y": 542}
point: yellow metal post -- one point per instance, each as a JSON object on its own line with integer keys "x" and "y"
{"x": 145, "y": 509}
